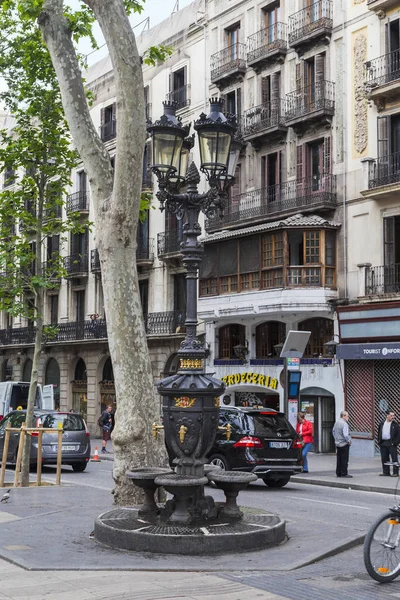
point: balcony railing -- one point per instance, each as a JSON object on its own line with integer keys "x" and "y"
{"x": 77, "y": 202}
{"x": 180, "y": 96}
{"x": 383, "y": 279}
{"x": 319, "y": 97}
{"x": 382, "y": 70}
{"x": 53, "y": 212}
{"x": 169, "y": 242}
{"x": 228, "y": 60}
{"x": 290, "y": 197}
{"x": 155, "y": 324}
{"x": 108, "y": 131}
{"x": 266, "y": 116}
{"x": 164, "y": 322}
{"x": 266, "y": 42}
{"x": 316, "y": 18}
{"x": 384, "y": 171}
{"x": 95, "y": 261}
{"x": 76, "y": 265}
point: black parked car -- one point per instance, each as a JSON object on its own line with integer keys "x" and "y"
{"x": 262, "y": 442}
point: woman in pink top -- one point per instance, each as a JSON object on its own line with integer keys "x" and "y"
{"x": 305, "y": 429}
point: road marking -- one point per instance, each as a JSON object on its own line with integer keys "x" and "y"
{"x": 325, "y": 502}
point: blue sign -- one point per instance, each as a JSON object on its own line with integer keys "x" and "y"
{"x": 378, "y": 351}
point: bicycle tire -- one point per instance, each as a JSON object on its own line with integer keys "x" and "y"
{"x": 381, "y": 552}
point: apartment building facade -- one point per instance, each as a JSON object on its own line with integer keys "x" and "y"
{"x": 369, "y": 324}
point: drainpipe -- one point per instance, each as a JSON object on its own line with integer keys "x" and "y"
{"x": 203, "y": 12}
{"x": 345, "y": 152}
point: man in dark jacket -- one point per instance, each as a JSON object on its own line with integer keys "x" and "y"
{"x": 388, "y": 438}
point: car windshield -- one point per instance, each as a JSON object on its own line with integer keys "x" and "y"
{"x": 68, "y": 422}
{"x": 265, "y": 425}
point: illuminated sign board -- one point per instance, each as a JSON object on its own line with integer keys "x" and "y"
{"x": 251, "y": 378}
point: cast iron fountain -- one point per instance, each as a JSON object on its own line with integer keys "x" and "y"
{"x": 191, "y": 522}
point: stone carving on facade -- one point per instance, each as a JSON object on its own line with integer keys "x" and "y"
{"x": 339, "y": 101}
{"x": 360, "y": 124}
{"x": 358, "y": 1}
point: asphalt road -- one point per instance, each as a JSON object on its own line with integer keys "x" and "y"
{"x": 316, "y": 517}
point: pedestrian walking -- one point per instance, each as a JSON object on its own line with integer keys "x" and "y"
{"x": 305, "y": 429}
{"x": 388, "y": 438}
{"x": 342, "y": 437}
{"x": 107, "y": 423}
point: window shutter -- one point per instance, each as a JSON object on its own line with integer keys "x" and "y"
{"x": 299, "y": 75}
{"x": 327, "y": 156}
{"x": 185, "y": 78}
{"x": 388, "y": 240}
{"x": 383, "y": 136}
{"x": 55, "y": 243}
{"x": 102, "y": 116}
{"x": 275, "y": 86}
{"x": 114, "y": 111}
{"x": 239, "y": 107}
{"x": 300, "y": 163}
{"x": 171, "y": 82}
{"x": 279, "y": 167}
{"x": 320, "y": 67}
{"x": 265, "y": 90}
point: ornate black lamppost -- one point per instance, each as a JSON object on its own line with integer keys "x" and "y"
{"x": 191, "y": 398}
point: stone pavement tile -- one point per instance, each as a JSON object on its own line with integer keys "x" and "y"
{"x": 39, "y": 588}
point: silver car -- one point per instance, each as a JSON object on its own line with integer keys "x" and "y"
{"x": 75, "y": 438}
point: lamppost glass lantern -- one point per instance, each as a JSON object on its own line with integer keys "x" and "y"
{"x": 178, "y": 178}
{"x": 226, "y": 180}
{"x": 168, "y": 135}
{"x": 215, "y": 133}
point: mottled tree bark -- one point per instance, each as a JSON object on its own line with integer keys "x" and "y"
{"x": 116, "y": 208}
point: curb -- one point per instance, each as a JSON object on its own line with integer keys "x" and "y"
{"x": 339, "y": 484}
{"x": 334, "y": 550}
{"x": 102, "y": 457}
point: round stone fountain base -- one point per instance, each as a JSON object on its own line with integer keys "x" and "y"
{"x": 124, "y": 529}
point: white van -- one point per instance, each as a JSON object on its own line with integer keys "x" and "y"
{"x": 14, "y": 394}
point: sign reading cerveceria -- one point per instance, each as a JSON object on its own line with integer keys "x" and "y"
{"x": 253, "y": 378}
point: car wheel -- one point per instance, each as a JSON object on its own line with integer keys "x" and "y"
{"x": 79, "y": 467}
{"x": 219, "y": 461}
{"x": 276, "y": 483}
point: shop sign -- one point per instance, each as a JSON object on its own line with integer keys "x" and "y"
{"x": 381, "y": 351}
{"x": 251, "y": 378}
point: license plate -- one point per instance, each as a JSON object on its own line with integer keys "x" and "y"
{"x": 279, "y": 445}
{"x": 65, "y": 448}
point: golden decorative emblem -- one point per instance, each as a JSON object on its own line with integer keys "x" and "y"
{"x": 216, "y": 400}
{"x": 191, "y": 363}
{"x": 184, "y": 402}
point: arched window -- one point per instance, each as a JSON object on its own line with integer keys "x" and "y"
{"x": 108, "y": 374}
{"x": 267, "y": 336}
{"x": 80, "y": 371}
{"x": 321, "y": 333}
{"x": 52, "y": 377}
{"x": 229, "y": 337}
{"x": 27, "y": 371}
{"x": 7, "y": 374}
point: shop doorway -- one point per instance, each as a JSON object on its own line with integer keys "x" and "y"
{"x": 107, "y": 388}
{"x": 319, "y": 406}
{"x": 79, "y": 389}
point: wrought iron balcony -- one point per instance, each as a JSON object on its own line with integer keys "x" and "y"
{"x": 180, "y": 96}
{"x": 267, "y": 44}
{"x": 53, "y": 212}
{"x": 95, "y": 261}
{"x": 312, "y": 103}
{"x": 164, "y": 322}
{"x": 264, "y": 120}
{"x": 382, "y": 76}
{"x": 229, "y": 63}
{"x": 76, "y": 265}
{"x": 78, "y": 202}
{"x": 23, "y": 335}
{"x": 145, "y": 252}
{"x": 314, "y": 21}
{"x": 385, "y": 170}
{"x": 283, "y": 199}
{"x": 108, "y": 131}
{"x": 382, "y": 280}
{"x": 169, "y": 243}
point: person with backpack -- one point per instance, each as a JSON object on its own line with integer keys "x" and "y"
{"x": 106, "y": 423}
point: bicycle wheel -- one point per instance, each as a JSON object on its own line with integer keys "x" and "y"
{"x": 381, "y": 548}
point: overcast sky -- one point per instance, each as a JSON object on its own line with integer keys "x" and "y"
{"x": 155, "y": 10}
